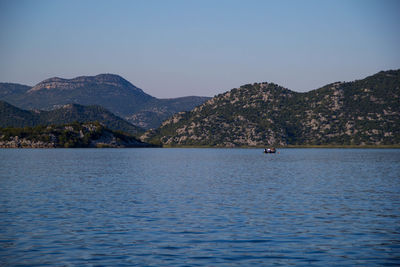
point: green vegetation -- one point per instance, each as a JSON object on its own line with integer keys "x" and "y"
{"x": 70, "y": 135}
{"x": 11, "y": 116}
{"x": 364, "y": 112}
{"x": 359, "y": 113}
{"x": 107, "y": 90}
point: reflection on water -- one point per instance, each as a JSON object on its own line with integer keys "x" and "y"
{"x": 175, "y": 207}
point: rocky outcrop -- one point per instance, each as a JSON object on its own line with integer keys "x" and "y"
{"x": 364, "y": 112}
{"x": 112, "y": 80}
{"x": 16, "y": 142}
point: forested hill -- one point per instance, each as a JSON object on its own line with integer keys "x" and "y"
{"x": 361, "y": 112}
{"x": 11, "y": 116}
{"x": 107, "y": 90}
{"x": 66, "y": 136}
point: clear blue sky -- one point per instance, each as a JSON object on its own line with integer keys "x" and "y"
{"x": 178, "y": 48}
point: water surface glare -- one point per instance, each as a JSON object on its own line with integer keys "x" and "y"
{"x": 199, "y": 207}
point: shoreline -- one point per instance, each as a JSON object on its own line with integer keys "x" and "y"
{"x": 219, "y": 147}
{"x": 293, "y": 146}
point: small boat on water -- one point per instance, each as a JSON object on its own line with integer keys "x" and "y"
{"x": 270, "y": 150}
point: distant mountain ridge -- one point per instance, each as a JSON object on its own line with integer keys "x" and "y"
{"x": 11, "y": 116}
{"x": 82, "y": 81}
{"x": 107, "y": 90}
{"x": 12, "y": 90}
{"x": 362, "y": 112}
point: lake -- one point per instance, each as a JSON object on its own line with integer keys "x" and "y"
{"x": 199, "y": 207}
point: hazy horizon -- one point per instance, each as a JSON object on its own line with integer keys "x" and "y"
{"x": 180, "y": 48}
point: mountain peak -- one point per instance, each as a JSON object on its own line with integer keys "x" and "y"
{"x": 109, "y": 77}
{"x": 82, "y": 82}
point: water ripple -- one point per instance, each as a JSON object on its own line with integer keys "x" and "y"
{"x": 199, "y": 207}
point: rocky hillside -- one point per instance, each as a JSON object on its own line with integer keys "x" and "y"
{"x": 344, "y": 113}
{"x": 107, "y": 90}
{"x": 11, "y": 116}
{"x": 69, "y": 135}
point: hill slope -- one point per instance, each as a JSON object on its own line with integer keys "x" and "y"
{"x": 353, "y": 113}
{"x": 155, "y": 111}
{"x": 11, "y": 116}
{"x": 10, "y": 91}
{"x": 69, "y": 135}
{"x": 107, "y": 90}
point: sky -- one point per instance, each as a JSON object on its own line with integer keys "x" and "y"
{"x": 178, "y": 48}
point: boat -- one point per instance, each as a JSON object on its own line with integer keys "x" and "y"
{"x": 270, "y": 150}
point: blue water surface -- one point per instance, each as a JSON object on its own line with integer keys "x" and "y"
{"x": 199, "y": 207}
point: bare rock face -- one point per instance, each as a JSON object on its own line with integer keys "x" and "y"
{"x": 84, "y": 81}
{"x": 16, "y": 142}
{"x": 263, "y": 114}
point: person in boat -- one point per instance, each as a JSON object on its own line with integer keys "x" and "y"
{"x": 269, "y": 150}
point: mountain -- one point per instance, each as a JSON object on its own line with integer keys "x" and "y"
{"x": 107, "y": 90}
{"x": 155, "y": 111}
{"x": 11, "y": 116}
{"x": 9, "y": 91}
{"x": 68, "y": 135}
{"x": 262, "y": 114}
